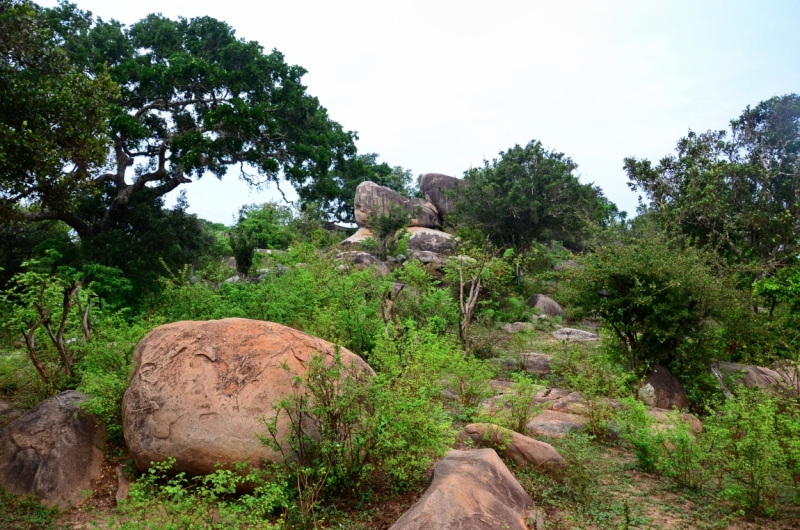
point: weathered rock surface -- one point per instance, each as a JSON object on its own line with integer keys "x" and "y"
{"x": 200, "y": 388}
{"x": 524, "y": 450}
{"x": 750, "y": 376}
{"x": 361, "y": 235}
{"x": 471, "y": 490}
{"x": 363, "y": 260}
{"x": 430, "y": 239}
{"x": 435, "y": 188}
{"x": 518, "y": 327}
{"x": 372, "y": 199}
{"x": 53, "y": 451}
{"x": 574, "y": 334}
{"x": 536, "y": 363}
{"x": 662, "y": 417}
{"x": 660, "y": 389}
{"x": 564, "y": 265}
{"x": 546, "y": 305}
{"x": 428, "y": 258}
{"x": 556, "y": 424}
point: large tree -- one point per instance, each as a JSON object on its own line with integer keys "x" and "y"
{"x": 530, "y": 194}
{"x": 737, "y": 192}
{"x": 191, "y": 99}
{"x": 53, "y": 117}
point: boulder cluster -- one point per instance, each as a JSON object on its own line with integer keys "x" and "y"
{"x": 426, "y": 217}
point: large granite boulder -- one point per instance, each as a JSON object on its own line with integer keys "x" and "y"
{"x": 471, "y": 490}
{"x": 546, "y": 305}
{"x": 361, "y": 235}
{"x": 556, "y": 424}
{"x": 372, "y": 199}
{"x": 431, "y": 240}
{"x": 574, "y": 334}
{"x": 435, "y": 187}
{"x": 364, "y": 260}
{"x": 660, "y": 389}
{"x": 731, "y": 375}
{"x": 53, "y": 451}
{"x": 523, "y": 450}
{"x": 200, "y": 389}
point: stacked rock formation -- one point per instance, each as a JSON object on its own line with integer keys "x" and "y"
{"x": 425, "y": 216}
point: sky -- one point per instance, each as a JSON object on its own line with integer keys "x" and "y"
{"x": 440, "y": 86}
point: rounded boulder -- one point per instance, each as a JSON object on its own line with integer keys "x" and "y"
{"x": 200, "y": 389}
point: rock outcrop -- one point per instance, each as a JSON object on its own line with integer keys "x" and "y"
{"x": 363, "y": 260}
{"x": 431, "y": 240}
{"x": 361, "y": 235}
{"x": 52, "y": 452}
{"x": 536, "y": 363}
{"x": 574, "y": 334}
{"x": 200, "y": 388}
{"x": 525, "y": 451}
{"x": 660, "y": 389}
{"x": 435, "y": 187}
{"x": 471, "y": 490}
{"x": 546, "y": 305}
{"x": 731, "y": 375}
{"x": 556, "y": 424}
{"x": 372, "y": 199}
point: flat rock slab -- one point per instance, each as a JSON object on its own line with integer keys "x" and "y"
{"x": 52, "y": 452}
{"x": 471, "y": 490}
{"x": 200, "y": 388}
{"x": 523, "y": 450}
{"x": 546, "y": 305}
{"x": 430, "y": 239}
{"x": 556, "y": 424}
{"x": 574, "y": 334}
{"x": 536, "y": 363}
{"x": 518, "y": 327}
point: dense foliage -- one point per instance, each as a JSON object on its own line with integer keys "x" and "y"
{"x": 531, "y": 194}
{"x": 110, "y": 118}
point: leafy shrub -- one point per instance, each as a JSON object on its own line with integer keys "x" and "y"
{"x": 655, "y": 297}
{"x": 746, "y": 433}
{"x": 159, "y": 499}
{"x": 347, "y": 428}
{"x": 516, "y": 407}
{"x": 747, "y": 452}
{"x": 106, "y": 367}
{"x": 598, "y": 377}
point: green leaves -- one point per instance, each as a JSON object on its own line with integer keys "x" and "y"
{"x": 655, "y": 295}
{"x": 735, "y": 193}
{"x": 530, "y": 194}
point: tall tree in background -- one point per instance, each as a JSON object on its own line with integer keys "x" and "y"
{"x": 530, "y": 194}
{"x": 739, "y": 193}
{"x": 53, "y": 118}
{"x": 187, "y": 98}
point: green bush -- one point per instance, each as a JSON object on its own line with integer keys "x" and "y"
{"x": 106, "y": 368}
{"x": 598, "y": 377}
{"x": 516, "y": 407}
{"x": 655, "y": 297}
{"x": 747, "y": 453}
{"x": 162, "y": 500}
{"x": 348, "y": 429}
{"x": 750, "y": 452}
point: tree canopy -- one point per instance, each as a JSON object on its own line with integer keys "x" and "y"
{"x": 739, "y": 193}
{"x": 170, "y": 100}
{"x": 530, "y": 194}
{"x": 53, "y": 120}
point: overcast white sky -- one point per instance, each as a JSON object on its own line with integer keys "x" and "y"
{"x": 439, "y": 86}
